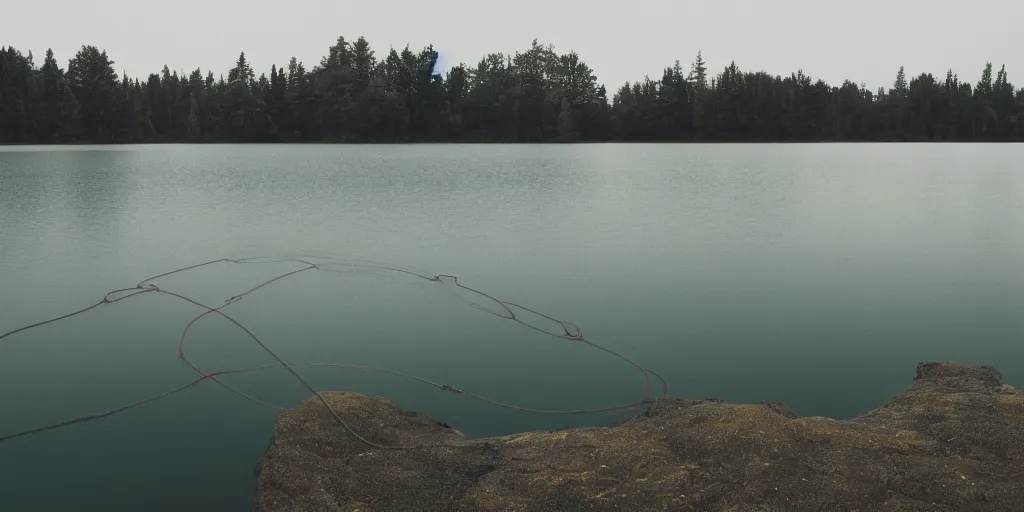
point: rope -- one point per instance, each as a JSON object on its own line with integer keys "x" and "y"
{"x": 91, "y": 417}
{"x": 146, "y": 286}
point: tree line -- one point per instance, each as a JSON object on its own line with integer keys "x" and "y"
{"x": 535, "y": 95}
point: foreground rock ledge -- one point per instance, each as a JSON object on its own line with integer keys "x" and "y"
{"x": 953, "y": 441}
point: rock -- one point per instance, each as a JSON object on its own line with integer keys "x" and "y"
{"x": 953, "y": 441}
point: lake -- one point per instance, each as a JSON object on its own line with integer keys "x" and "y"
{"x": 813, "y": 274}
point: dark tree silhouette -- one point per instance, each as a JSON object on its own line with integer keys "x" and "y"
{"x": 535, "y": 95}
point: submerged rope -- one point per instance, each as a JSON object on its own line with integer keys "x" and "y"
{"x": 570, "y": 332}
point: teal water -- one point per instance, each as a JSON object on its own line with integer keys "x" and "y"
{"x": 817, "y": 275}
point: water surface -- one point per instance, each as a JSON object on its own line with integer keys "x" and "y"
{"x": 817, "y": 275}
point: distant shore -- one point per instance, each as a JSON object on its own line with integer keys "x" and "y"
{"x": 507, "y": 143}
{"x": 540, "y": 95}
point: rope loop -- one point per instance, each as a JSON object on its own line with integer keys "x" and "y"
{"x": 147, "y": 285}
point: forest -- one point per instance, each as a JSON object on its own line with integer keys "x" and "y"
{"x": 536, "y": 95}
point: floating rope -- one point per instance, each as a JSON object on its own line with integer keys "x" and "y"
{"x": 569, "y": 332}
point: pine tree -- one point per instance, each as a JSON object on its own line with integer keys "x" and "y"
{"x": 533, "y": 95}
{"x": 698, "y": 76}
{"x": 899, "y": 87}
{"x": 92, "y": 80}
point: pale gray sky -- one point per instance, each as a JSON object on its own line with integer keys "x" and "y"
{"x": 865, "y": 40}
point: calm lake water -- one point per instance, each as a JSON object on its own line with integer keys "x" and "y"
{"x": 817, "y": 275}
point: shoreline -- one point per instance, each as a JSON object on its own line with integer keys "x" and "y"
{"x": 954, "y": 440}
{"x": 505, "y": 143}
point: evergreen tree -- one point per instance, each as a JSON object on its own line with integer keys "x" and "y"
{"x": 93, "y": 82}
{"x": 534, "y": 95}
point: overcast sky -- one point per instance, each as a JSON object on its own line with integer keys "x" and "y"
{"x": 865, "y": 40}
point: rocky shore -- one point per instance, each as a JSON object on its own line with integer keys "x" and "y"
{"x": 953, "y": 441}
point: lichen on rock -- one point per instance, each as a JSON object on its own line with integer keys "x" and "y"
{"x": 953, "y": 441}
